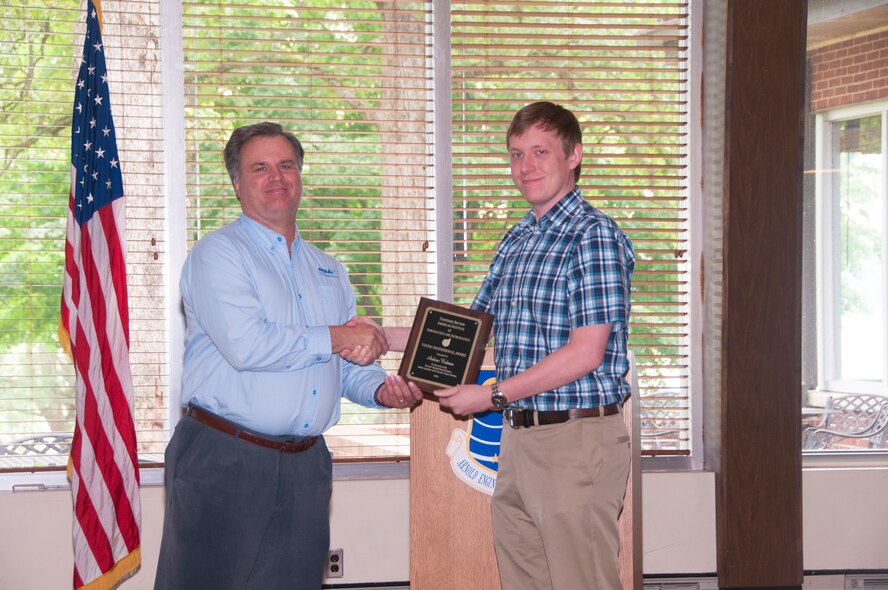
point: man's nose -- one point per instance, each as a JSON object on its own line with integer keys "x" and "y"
{"x": 527, "y": 163}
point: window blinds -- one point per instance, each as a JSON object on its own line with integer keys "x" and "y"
{"x": 355, "y": 82}
{"x": 621, "y": 67}
{"x": 351, "y": 80}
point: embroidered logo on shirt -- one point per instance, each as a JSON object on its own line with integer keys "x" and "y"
{"x": 326, "y": 271}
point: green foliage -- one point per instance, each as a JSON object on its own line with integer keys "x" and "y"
{"x": 861, "y": 235}
{"x": 35, "y": 93}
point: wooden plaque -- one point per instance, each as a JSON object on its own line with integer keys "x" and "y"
{"x": 446, "y": 345}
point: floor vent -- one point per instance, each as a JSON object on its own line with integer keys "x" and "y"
{"x": 863, "y": 582}
{"x": 681, "y": 584}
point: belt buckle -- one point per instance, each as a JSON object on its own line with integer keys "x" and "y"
{"x": 512, "y": 416}
{"x": 287, "y": 444}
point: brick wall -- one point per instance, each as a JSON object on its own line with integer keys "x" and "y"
{"x": 849, "y": 72}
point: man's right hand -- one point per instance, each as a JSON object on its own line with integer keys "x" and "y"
{"x": 359, "y": 340}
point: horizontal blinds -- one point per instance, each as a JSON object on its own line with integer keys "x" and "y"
{"x": 621, "y": 67}
{"x": 352, "y": 81}
{"x": 131, "y": 34}
{"x": 39, "y": 55}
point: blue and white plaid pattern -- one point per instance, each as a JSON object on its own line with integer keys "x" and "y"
{"x": 573, "y": 268}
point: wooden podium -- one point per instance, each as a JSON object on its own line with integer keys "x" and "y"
{"x": 451, "y": 541}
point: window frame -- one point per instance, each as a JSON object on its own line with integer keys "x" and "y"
{"x": 827, "y": 234}
{"x": 695, "y": 460}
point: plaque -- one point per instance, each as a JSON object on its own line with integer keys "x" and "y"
{"x": 446, "y": 345}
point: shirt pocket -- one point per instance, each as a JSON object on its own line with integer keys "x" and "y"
{"x": 330, "y": 307}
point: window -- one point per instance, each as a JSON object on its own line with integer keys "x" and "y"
{"x": 852, "y": 264}
{"x": 624, "y": 73}
{"x": 845, "y": 335}
{"x": 42, "y": 44}
{"x": 374, "y": 94}
{"x": 351, "y": 81}
{"x": 848, "y": 410}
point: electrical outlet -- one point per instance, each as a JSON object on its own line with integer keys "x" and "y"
{"x": 334, "y": 564}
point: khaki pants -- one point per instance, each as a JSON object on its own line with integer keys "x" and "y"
{"x": 559, "y": 492}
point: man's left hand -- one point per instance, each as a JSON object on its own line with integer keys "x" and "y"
{"x": 397, "y": 393}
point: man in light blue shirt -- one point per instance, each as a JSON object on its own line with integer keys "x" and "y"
{"x": 272, "y": 343}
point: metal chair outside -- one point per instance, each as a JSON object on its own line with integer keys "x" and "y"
{"x": 851, "y": 417}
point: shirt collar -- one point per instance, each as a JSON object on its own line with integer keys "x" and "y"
{"x": 561, "y": 212}
{"x": 271, "y": 238}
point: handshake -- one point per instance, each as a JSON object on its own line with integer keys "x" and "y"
{"x": 362, "y": 341}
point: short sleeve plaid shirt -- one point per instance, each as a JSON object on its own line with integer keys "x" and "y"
{"x": 572, "y": 268}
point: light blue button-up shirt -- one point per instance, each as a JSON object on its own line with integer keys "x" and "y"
{"x": 257, "y": 343}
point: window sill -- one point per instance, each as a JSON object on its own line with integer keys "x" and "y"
{"x": 863, "y": 459}
{"x": 44, "y": 481}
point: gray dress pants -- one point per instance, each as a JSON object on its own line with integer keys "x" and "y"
{"x": 239, "y": 516}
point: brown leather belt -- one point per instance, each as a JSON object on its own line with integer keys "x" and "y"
{"x": 524, "y": 418}
{"x": 281, "y": 444}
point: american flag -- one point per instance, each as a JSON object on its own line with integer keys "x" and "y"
{"x": 103, "y": 466}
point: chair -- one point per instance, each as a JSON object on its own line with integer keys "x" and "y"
{"x": 850, "y": 417}
{"x": 38, "y": 444}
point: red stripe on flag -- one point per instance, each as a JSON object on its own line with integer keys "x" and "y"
{"x": 88, "y": 518}
{"x": 123, "y": 418}
{"x": 102, "y": 380}
{"x": 108, "y": 385}
{"x": 71, "y": 271}
{"x": 118, "y": 267}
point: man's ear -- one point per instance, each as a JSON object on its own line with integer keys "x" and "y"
{"x": 576, "y": 156}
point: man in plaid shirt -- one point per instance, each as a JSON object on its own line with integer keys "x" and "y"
{"x": 559, "y": 290}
